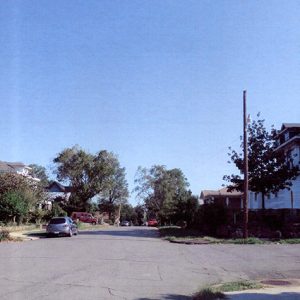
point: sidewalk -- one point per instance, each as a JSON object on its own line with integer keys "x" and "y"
{"x": 278, "y": 292}
{"x": 25, "y": 235}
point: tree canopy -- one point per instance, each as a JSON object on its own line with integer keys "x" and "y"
{"x": 269, "y": 170}
{"x": 18, "y": 195}
{"x": 115, "y": 191}
{"x": 88, "y": 174}
{"x": 161, "y": 190}
{"x": 40, "y": 173}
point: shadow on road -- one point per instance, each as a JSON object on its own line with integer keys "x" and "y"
{"x": 132, "y": 232}
{"x": 265, "y": 296}
{"x": 241, "y": 296}
{"x": 169, "y": 297}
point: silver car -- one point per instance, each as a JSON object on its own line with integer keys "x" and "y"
{"x": 62, "y": 226}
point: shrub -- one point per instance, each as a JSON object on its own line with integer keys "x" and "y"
{"x": 109, "y": 222}
{"x": 4, "y": 235}
{"x": 211, "y": 217}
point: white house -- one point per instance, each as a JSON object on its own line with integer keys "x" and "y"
{"x": 17, "y": 168}
{"x": 289, "y": 142}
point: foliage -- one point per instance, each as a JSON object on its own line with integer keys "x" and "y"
{"x": 38, "y": 214}
{"x": 208, "y": 294}
{"x": 269, "y": 170}
{"x": 4, "y": 235}
{"x": 13, "y": 205}
{"x": 127, "y": 212}
{"x": 210, "y": 217}
{"x": 161, "y": 190}
{"x": 140, "y": 214}
{"x": 88, "y": 174}
{"x": 248, "y": 241}
{"x": 237, "y": 286}
{"x": 40, "y": 173}
{"x": 18, "y": 195}
{"x": 115, "y": 192}
{"x": 186, "y": 209}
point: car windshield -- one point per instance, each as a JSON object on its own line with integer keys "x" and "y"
{"x": 58, "y": 221}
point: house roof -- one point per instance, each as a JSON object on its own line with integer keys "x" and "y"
{"x": 221, "y": 192}
{"x": 11, "y": 166}
{"x": 62, "y": 188}
{"x": 290, "y": 125}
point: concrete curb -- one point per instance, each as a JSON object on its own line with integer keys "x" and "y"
{"x": 287, "y": 292}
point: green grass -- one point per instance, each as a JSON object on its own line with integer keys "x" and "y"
{"x": 249, "y": 241}
{"x": 178, "y": 234}
{"x": 289, "y": 241}
{"x": 237, "y": 286}
{"x": 217, "y": 291}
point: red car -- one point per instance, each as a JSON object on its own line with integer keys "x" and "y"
{"x": 152, "y": 222}
{"x": 84, "y": 217}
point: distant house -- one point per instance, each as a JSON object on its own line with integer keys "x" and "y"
{"x": 232, "y": 200}
{"x": 16, "y": 168}
{"x": 289, "y": 143}
{"x": 57, "y": 192}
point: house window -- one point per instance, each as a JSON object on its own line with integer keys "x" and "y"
{"x": 286, "y": 136}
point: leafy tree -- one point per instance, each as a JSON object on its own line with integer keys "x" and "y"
{"x": 161, "y": 190}
{"x": 269, "y": 170}
{"x": 88, "y": 174}
{"x": 18, "y": 195}
{"x": 115, "y": 191}
{"x": 186, "y": 209}
{"x": 140, "y": 214}
{"x": 40, "y": 173}
{"x": 128, "y": 213}
{"x": 13, "y": 205}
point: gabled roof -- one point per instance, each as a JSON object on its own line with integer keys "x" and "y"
{"x": 62, "y": 188}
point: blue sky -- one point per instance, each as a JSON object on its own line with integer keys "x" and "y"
{"x": 156, "y": 82}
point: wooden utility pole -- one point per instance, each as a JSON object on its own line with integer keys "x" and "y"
{"x": 245, "y": 202}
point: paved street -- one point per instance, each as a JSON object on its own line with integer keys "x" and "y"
{"x": 132, "y": 263}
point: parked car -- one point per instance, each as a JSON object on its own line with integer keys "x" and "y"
{"x": 62, "y": 226}
{"x": 152, "y": 222}
{"x": 125, "y": 223}
{"x": 84, "y": 217}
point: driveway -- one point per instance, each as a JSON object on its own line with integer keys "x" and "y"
{"x": 132, "y": 263}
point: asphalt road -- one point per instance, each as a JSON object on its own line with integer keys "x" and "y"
{"x": 132, "y": 263}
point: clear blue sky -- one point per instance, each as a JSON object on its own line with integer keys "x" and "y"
{"x": 156, "y": 82}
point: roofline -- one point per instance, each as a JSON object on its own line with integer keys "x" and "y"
{"x": 296, "y": 137}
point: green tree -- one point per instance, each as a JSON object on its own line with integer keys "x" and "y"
{"x": 187, "y": 208}
{"x": 13, "y": 205}
{"x": 161, "y": 190}
{"x": 128, "y": 213}
{"x": 40, "y": 173}
{"x": 115, "y": 191}
{"x": 269, "y": 169}
{"x": 87, "y": 174}
{"x": 18, "y": 195}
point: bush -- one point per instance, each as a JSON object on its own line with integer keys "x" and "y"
{"x": 109, "y": 222}
{"x": 211, "y": 217}
{"x": 4, "y": 235}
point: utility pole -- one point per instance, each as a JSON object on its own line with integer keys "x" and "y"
{"x": 245, "y": 202}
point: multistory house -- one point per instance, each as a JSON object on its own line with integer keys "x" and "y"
{"x": 289, "y": 143}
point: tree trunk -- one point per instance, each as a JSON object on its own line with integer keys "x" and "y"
{"x": 263, "y": 201}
